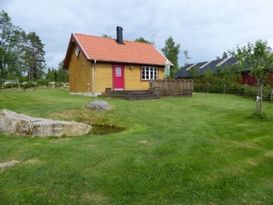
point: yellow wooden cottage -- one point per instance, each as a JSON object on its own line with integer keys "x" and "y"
{"x": 98, "y": 63}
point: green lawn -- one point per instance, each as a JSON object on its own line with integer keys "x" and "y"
{"x": 201, "y": 150}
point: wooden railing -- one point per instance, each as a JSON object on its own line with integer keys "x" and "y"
{"x": 155, "y": 88}
{"x": 180, "y": 87}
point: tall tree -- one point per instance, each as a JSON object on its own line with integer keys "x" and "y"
{"x": 171, "y": 51}
{"x": 19, "y": 52}
{"x": 258, "y": 58}
{"x": 142, "y": 39}
{"x": 6, "y": 28}
{"x": 15, "y": 58}
{"x": 10, "y": 47}
{"x": 34, "y": 56}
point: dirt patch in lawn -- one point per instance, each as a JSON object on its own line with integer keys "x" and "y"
{"x": 248, "y": 145}
{"x": 32, "y": 161}
{"x": 93, "y": 198}
{"x": 253, "y": 162}
{"x": 104, "y": 129}
{"x": 7, "y": 164}
{"x": 144, "y": 142}
{"x": 268, "y": 154}
{"x": 60, "y": 140}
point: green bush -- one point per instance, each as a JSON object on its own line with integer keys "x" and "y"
{"x": 216, "y": 86}
{"x": 10, "y": 84}
{"x": 30, "y": 84}
{"x": 42, "y": 82}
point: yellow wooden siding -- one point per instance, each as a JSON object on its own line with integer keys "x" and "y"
{"x": 80, "y": 74}
{"x": 103, "y": 77}
{"x": 133, "y": 78}
{"x": 161, "y": 73}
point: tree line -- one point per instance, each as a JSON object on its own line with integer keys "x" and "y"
{"x": 22, "y": 54}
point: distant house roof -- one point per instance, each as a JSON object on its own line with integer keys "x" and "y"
{"x": 202, "y": 67}
{"x": 108, "y": 50}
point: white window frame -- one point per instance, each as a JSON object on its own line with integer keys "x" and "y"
{"x": 149, "y": 73}
{"x": 118, "y": 71}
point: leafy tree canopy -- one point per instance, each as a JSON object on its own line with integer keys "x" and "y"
{"x": 20, "y": 53}
{"x": 171, "y": 51}
{"x": 257, "y": 58}
{"x": 142, "y": 39}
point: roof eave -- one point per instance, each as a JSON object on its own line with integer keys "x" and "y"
{"x": 68, "y": 54}
{"x": 73, "y": 39}
{"x": 126, "y": 62}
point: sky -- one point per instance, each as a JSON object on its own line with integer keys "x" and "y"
{"x": 205, "y": 28}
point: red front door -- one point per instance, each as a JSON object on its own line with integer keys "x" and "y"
{"x": 118, "y": 77}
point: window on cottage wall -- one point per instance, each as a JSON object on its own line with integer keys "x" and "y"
{"x": 77, "y": 51}
{"x": 148, "y": 73}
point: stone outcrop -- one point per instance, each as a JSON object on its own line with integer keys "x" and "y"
{"x": 20, "y": 124}
{"x": 99, "y": 105}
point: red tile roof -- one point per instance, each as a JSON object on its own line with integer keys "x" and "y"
{"x": 108, "y": 50}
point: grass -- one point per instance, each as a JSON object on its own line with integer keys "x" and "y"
{"x": 207, "y": 149}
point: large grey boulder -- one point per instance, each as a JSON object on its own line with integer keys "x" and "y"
{"x": 20, "y": 124}
{"x": 99, "y": 105}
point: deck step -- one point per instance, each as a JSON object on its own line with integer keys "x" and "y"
{"x": 142, "y": 98}
{"x": 132, "y": 94}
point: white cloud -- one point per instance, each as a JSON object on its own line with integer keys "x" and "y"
{"x": 205, "y": 28}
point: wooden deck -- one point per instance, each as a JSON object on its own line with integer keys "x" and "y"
{"x": 180, "y": 87}
{"x": 157, "y": 89}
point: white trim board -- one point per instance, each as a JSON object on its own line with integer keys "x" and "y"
{"x": 188, "y": 68}
{"x": 222, "y": 62}
{"x": 203, "y": 66}
{"x": 80, "y": 45}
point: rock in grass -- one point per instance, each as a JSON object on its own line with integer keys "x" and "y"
{"x": 20, "y": 124}
{"x": 99, "y": 105}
